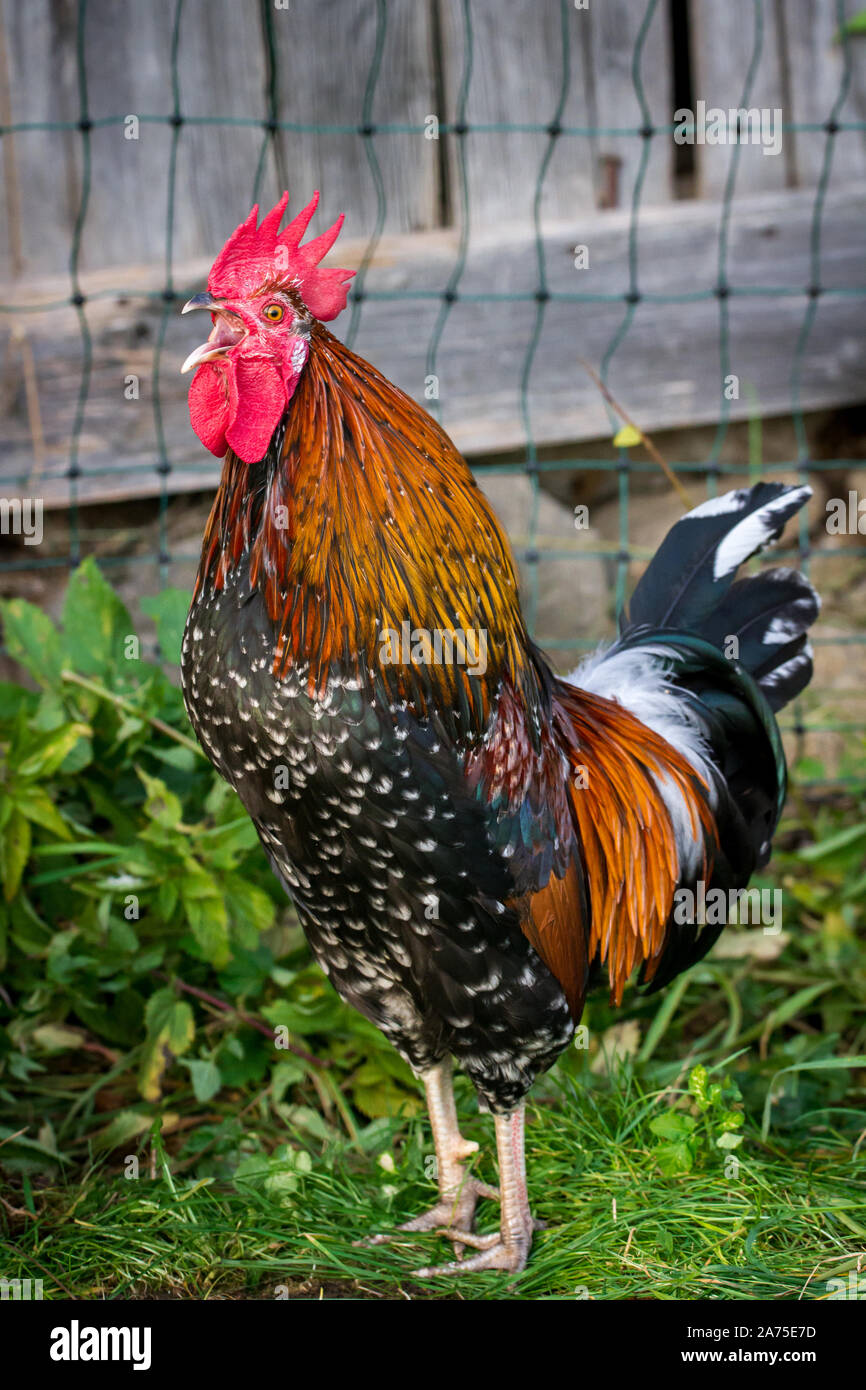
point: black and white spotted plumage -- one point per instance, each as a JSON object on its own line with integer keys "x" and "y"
{"x": 367, "y": 820}
{"x": 405, "y": 876}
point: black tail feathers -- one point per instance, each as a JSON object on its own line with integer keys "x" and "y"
{"x": 768, "y": 617}
{"x": 761, "y": 621}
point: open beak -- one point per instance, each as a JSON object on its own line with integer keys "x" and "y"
{"x": 227, "y": 331}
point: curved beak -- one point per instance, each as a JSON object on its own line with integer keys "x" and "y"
{"x": 205, "y": 300}
{"x": 227, "y": 331}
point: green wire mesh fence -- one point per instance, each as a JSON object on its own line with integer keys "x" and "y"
{"x": 458, "y": 131}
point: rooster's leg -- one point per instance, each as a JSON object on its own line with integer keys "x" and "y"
{"x": 509, "y": 1248}
{"x": 459, "y": 1191}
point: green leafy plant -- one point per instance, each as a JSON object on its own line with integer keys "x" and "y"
{"x": 158, "y": 1003}
{"x": 141, "y": 929}
{"x": 687, "y": 1136}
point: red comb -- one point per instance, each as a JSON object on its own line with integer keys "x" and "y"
{"x": 256, "y": 253}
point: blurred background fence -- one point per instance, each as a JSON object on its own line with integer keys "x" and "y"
{"x": 516, "y": 205}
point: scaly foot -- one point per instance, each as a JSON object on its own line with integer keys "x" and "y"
{"x": 509, "y": 1248}
{"x": 459, "y": 1192}
{"x": 455, "y": 1210}
{"x": 494, "y": 1252}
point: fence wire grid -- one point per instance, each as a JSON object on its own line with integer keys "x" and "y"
{"x": 711, "y": 469}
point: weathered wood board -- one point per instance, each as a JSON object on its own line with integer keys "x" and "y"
{"x": 666, "y": 371}
{"x": 514, "y": 61}
{"x": 317, "y": 55}
{"x": 797, "y": 66}
{"x": 617, "y": 38}
{"x": 820, "y": 89}
{"x": 737, "y": 55}
{"x": 343, "y": 63}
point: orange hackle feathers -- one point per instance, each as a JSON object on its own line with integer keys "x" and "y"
{"x": 333, "y": 546}
{"x": 330, "y": 526}
{"x": 554, "y": 920}
{"x": 627, "y": 840}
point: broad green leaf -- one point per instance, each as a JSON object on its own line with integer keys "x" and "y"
{"x": 52, "y": 749}
{"x": 56, "y": 1037}
{"x": 672, "y": 1125}
{"x": 50, "y": 713}
{"x": 167, "y": 897}
{"x": 33, "y": 640}
{"x": 129, "y": 727}
{"x": 243, "y": 1060}
{"x": 247, "y": 971}
{"x": 15, "y": 700}
{"x": 196, "y": 883}
{"x": 674, "y": 1159}
{"x": 175, "y": 755}
{"x": 249, "y": 906}
{"x": 95, "y": 623}
{"x": 376, "y": 1094}
{"x": 698, "y": 1082}
{"x": 729, "y": 1140}
{"x": 121, "y": 934}
{"x": 119, "y": 1022}
{"x": 161, "y": 805}
{"x": 170, "y": 1019}
{"x": 307, "y": 1120}
{"x": 233, "y": 838}
{"x": 79, "y": 756}
{"x": 14, "y": 852}
{"x": 205, "y": 1076}
{"x": 285, "y": 1074}
{"x": 37, "y": 806}
{"x": 125, "y": 1125}
{"x": 209, "y": 923}
{"x": 171, "y": 1029}
{"x": 169, "y": 610}
{"x": 305, "y": 1014}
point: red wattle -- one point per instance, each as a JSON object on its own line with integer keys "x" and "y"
{"x": 237, "y": 403}
{"x": 261, "y": 401}
{"x": 211, "y": 407}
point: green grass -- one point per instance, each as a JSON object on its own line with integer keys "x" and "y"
{"x": 154, "y": 1141}
{"x": 793, "y": 1217}
{"x": 262, "y": 1188}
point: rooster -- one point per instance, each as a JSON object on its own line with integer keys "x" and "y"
{"x": 470, "y": 843}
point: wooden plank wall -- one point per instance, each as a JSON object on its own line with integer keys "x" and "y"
{"x": 667, "y": 370}
{"x": 520, "y": 57}
{"x": 314, "y": 59}
{"x": 324, "y": 50}
{"x": 799, "y": 69}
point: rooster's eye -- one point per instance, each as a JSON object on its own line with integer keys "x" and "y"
{"x": 274, "y": 312}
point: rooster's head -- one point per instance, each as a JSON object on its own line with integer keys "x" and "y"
{"x": 264, "y": 291}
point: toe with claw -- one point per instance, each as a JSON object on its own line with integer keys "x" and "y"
{"x": 455, "y": 1210}
{"x": 508, "y": 1249}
